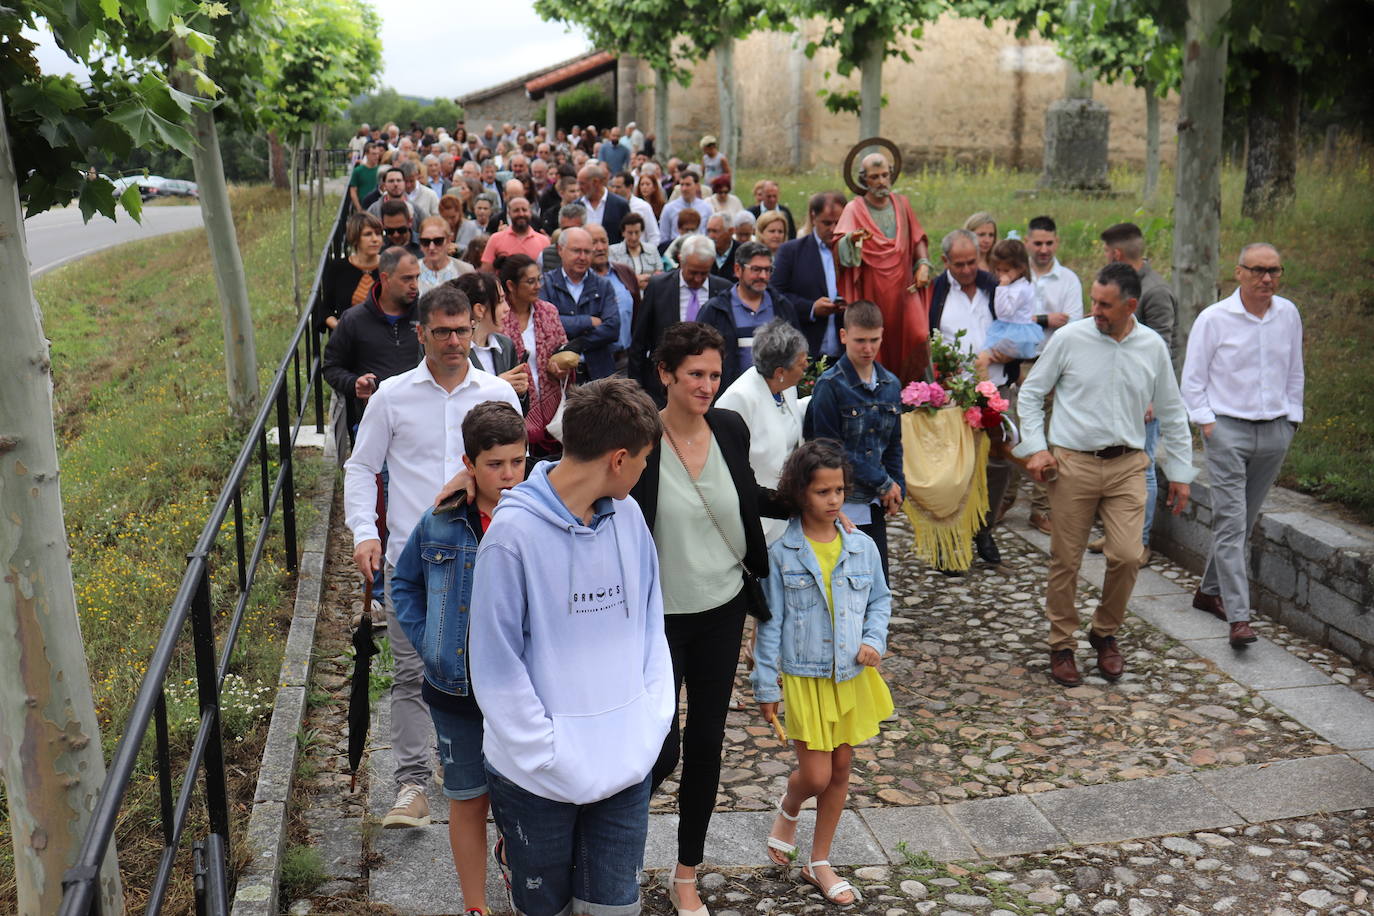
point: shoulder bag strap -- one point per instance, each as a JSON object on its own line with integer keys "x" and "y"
{"x": 705, "y": 505}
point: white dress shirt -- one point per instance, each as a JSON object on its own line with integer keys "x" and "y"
{"x": 1245, "y": 367}
{"x": 972, "y": 316}
{"x": 415, "y": 427}
{"x": 595, "y": 213}
{"x": 1060, "y": 290}
{"x": 646, "y": 210}
{"x": 684, "y": 297}
{"x": 1102, "y": 388}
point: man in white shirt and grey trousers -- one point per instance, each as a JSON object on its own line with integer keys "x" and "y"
{"x": 414, "y": 425}
{"x": 1242, "y": 385}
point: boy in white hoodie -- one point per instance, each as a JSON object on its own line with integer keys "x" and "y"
{"x": 570, "y": 665}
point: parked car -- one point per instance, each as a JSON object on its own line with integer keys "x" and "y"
{"x": 177, "y": 187}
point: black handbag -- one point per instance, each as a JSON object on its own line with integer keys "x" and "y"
{"x": 754, "y": 601}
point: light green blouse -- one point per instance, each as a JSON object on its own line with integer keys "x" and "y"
{"x": 697, "y": 571}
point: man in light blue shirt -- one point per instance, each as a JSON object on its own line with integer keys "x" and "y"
{"x": 1104, "y": 375}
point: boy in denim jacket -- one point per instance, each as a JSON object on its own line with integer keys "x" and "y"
{"x": 858, "y": 403}
{"x": 432, "y": 589}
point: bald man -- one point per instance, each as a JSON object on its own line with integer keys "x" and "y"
{"x": 603, "y": 208}
{"x": 586, "y": 305}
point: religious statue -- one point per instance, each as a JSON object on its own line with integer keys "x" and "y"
{"x": 884, "y": 258}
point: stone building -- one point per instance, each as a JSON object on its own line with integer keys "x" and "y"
{"x": 531, "y": 97}
{"x": 969, "y": 94}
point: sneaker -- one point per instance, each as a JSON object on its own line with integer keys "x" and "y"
{"x": 411, "y": 808}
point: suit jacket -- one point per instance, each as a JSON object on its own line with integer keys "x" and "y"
{"x": 659, "y": 308}
{"x": 800, "y": 278}
{"x": 503, "y": 360}
{"x": 757, "y": 210}
{"x": 616, "y": 209}
{"x": 726, "y": 271}
{"x": 732, "y": 435}
{"x": 598, "y": 299}
{"x": 985, "y": 282}
{"x": 719, "y": 313}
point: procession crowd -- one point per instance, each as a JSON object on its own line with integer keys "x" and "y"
{"x": 580, "y": 463}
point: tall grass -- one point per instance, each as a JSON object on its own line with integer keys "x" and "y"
{"x": 145, "y": 443}
{"x": 1327, "y": 241}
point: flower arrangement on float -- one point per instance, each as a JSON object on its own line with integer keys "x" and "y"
{"x": 955, "y": 384}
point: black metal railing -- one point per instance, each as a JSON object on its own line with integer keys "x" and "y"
{"x": 295, "y": 391}
{"x": 333, "y": 162}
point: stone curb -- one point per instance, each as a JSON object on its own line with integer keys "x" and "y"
{"x": 258, "y": 884}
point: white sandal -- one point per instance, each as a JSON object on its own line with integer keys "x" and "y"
{"x": 787, "y": 849}
{"x": 676, "y": 901}
{"x": 841, "y": 886}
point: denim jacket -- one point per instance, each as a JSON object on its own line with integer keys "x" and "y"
{"x": 432, "y": 588}
{"x": 867, "y": 423}
{"x": 800, "y": 638}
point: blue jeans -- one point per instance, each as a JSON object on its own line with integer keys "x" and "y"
{"x": 460, "y": 751}
{"x": 1151, "y": 482}
{"x": 579, "y": 859}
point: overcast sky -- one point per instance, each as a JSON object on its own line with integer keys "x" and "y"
{"x": 431, "y": 49}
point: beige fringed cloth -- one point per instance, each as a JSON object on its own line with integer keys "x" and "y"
{"x": 945, "y": 462}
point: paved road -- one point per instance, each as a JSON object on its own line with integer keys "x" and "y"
{"x": 59, "y": 236}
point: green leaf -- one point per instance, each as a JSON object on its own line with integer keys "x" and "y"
{"x": 110, "y": 8}
{"x": 160, "y": 13}
{"x": 97, "y": 197}
{"x": 132, "y": 201}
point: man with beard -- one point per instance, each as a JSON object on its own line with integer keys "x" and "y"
{"x": 519, "y": 237}
{"x": 884, "y": 258}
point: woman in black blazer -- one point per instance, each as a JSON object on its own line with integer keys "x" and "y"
{"x": 702, "y": 456}
{"x": 494, "y": 352}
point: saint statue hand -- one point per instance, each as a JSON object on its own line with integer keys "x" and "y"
{"x": 922, "y": 276}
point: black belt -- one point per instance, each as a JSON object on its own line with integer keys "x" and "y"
{"x": 1112, "y": 451}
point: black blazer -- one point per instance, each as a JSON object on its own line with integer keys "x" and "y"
{"x": 659, "y": 308}
{"x": 799, "y": 276}
{"x": 732, "y": 435}
{"x": 615, "y": 209}
{"x": 757, "y": 210}
{"x": 726, "y": 270}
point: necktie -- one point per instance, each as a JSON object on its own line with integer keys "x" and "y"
{"x": 692, "y": 305}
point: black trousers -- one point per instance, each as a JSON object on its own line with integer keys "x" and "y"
{"x": 705, "y": 650}
{"x": 877, "y": 529}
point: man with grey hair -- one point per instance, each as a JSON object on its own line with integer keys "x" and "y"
{"x": 570, "y": 216}
{"x": 748, "y": 306}
{"x": 423, "y": 200}
{"x": 884, "y": 258}
{"x": 603, "y": 209}
{"x": 962, "y": 301}
{"x": 720, "y": 230}
{"x": 586, "y": 305}
{"x": 1243, "y": 388}
{"x": 434, "y": 176}
{"x": 677, "y": 295}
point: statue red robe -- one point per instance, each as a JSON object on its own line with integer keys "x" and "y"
{"x": 887, "y": 271}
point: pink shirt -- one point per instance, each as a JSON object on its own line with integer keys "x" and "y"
{"x": 507, "y": 242}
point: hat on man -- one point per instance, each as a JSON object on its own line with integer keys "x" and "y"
{"x": 708, "y": 140}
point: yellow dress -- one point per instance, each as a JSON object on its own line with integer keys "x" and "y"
{"x": 821, "y": 712}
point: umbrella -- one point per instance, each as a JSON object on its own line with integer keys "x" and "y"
{"x": 359, "y": 702}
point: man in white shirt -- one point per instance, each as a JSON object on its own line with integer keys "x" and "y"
{"x": 1243, "y": 387}
{"x": 962, "y": 300}
{"x": 1104, "y": 374}
{"x": 1058, "y": 300}
{"x": 413, "y": 427}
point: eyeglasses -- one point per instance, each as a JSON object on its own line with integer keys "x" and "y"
{"x": 435, "y": 241}
{"x": 397, "y": 230}
{"x": 531, "y": 281}
{"x": 759, "y": 269}
{"x": 1274, "y": 272}
{"x": 442, "y": 334}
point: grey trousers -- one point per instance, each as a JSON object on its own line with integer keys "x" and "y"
{"x": 1243, "y": 461}
{"x": 412, "y": 729}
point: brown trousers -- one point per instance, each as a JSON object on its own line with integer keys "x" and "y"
{"x": 1114, "y": 490}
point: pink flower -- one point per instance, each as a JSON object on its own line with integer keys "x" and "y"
{"x": 986, "y": 388}
{"x": 939, "y": 397}
{"x": 917, "y": 394}
{"x": 974, "y": 417}
{"x": 999, "y": 403}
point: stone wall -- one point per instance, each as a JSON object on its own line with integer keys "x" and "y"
{"x": 970, "y": 94}
{"x": 1309, "y": 569}
{"x": 514, "y": 106}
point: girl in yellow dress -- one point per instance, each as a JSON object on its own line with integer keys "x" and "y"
{"x": 828, "y": 632}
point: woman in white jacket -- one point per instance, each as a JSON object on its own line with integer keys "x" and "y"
{"x": 767, "y": 400}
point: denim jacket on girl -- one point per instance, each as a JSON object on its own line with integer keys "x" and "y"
{"x": 800, "y": 639}
{"x": 432, "y": 589}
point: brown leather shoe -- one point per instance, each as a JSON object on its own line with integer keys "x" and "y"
{"x": 1063, "y": 668}
{"x": 1110, "y": 664}
{"x": 1209, "y": 603}
{"x": 1040, "y": 521}
{"x": 1242, "y": 634}
{"x": 1097, "y": 545}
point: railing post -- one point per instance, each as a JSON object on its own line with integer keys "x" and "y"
{"x": 288, "y": 487}
{"x": 207, "y": 682}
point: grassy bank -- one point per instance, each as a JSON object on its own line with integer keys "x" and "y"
{"x": 145, "y": 444}
{"x": 1327, "y": 240}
